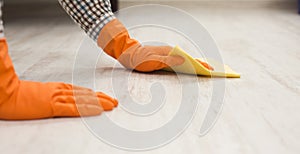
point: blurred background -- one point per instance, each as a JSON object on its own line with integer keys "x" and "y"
{"x": 236, "y": 25}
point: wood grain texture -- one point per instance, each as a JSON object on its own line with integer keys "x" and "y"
{"x": 260, "y": 113}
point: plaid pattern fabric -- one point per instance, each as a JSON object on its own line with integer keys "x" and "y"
{"x": 1, "y": 22}
{"x": 91, "y": 15}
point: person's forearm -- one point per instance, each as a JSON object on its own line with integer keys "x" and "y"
{"x": 91, "y": 16}
{"x": 97, "y": 20}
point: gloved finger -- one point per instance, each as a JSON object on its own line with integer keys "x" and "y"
{"x": 81, "y": 88}
{"x": 89, "y": 110}
{"x": 205, "y": 64}
{"x": 91, "y": 100}
{"x": 64, "y": 99}
{"x": 76, "y": 93}
{"x": 106, "y": 104}
{"x": 173, "y": 60}
{"x": 161, "y": 62}
{"x": 65, "y": 86}
{"x": 159, "y": 50}
{"x": 73, "y": 110}
{"x": 112, "y": 100}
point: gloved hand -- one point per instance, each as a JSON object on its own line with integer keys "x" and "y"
{"x": 205, "y": 64}
{"x": 22, "y": 100}
{"x": 116, "y": 42}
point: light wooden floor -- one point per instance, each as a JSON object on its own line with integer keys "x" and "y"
{"x": 260, "y": 113}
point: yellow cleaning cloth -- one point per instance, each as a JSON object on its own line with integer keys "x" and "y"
{"x": 192, "y": 66}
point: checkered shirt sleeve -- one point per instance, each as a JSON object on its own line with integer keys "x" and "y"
{"x": 91, "y": 15}
{"x": 1, "y": 22}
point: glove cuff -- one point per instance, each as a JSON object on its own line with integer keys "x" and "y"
{"x": 114, "y": 39}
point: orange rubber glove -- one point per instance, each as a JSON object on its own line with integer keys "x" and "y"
{"x": 205, "y": 65}
{"x": 116, "y": 42}
{"x": 22, "y": 100}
